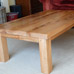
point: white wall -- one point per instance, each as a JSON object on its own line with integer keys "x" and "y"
{"x": 11, "y": 2}
{"x": 6, "y": 4}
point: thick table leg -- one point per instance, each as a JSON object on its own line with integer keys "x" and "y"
{"x": 4, "y": 56}
{"x": 45, "y": 56}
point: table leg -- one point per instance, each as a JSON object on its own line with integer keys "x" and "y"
{"x": 45, "y": 55}
{"x": 4, "y": 56}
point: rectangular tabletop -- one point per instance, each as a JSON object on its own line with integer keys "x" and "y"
{"x": 42, "y": 28}
{"x": 47, "y": 24}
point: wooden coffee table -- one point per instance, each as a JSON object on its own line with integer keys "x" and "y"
{"x": 41, "y": 28}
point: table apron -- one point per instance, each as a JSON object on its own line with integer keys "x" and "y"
{"x": 31, "y": 39}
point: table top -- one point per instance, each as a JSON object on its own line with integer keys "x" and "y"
{"x": 44, "y": 24}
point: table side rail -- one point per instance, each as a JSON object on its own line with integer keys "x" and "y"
{"x": 63, "y": 31}
{"x": 31, "y": 39}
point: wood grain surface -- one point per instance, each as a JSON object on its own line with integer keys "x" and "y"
{"x": 42, "y": 28}
{"x": 45, "y": 24}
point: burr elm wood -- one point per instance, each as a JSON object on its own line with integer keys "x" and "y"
{"x": 41, "y": 28}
